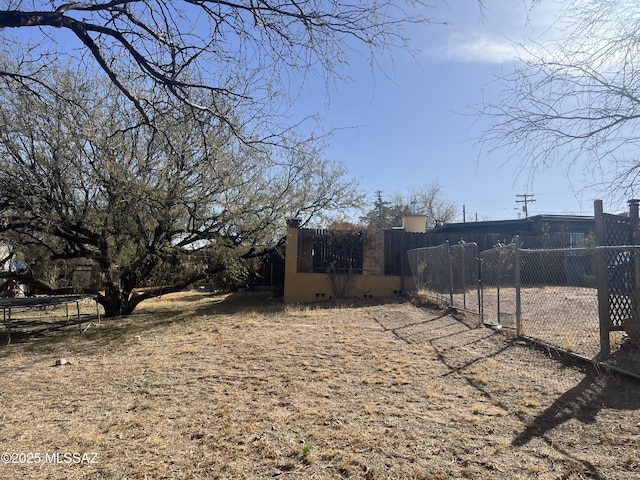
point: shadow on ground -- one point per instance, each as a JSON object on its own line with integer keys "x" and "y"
{"x": 459, "y": 345}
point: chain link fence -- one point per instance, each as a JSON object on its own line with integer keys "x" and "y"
{"x": 448, "y": 274}
{"x": 584, "y": 301}
{"x": 431, "y": 272}
{"x": 465, "y": 276}
{"x": 498, "y": 286}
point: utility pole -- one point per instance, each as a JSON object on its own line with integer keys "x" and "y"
{"x": 527, "y": 198}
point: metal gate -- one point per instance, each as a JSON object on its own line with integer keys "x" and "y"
{"x": 448, "y": 274}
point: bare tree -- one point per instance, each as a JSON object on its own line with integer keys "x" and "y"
{"x": 576, "y": 102}
{"x": 429, "y": 200}
{"x": 221, "y": 57}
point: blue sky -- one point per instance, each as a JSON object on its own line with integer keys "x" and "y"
{"x": 414, "y": 125}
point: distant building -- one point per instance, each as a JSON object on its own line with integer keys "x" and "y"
{"x": 573, "y": 228}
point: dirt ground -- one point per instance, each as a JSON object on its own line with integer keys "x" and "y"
{"x": 196, "y": 386}
{"x": 560, "y": 316}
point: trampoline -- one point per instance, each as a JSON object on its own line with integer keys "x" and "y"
{"x": 9, "y": 304}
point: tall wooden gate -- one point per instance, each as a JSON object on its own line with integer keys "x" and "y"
{"x": 616, "y": 270}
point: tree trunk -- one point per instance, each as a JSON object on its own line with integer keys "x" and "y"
{"x": 113, "y": 303}
{"x": 120, "y": 299}
{"x": 117, "y": 296}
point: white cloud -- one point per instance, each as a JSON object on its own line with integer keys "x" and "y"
{"x": 497, "y": 35}
{"x": 476, "y": 47}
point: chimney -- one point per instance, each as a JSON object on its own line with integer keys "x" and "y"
{"x": 414, "y": 223}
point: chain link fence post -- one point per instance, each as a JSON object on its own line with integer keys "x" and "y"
{"x": 450, "y": 267}
{"x": 602, "y": 279}
{"x": 518, "y": 285}
{"x": 480, "y": 289}
{"x": 464, "y": 274}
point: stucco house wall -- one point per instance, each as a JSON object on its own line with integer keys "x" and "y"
{"x": 304, "y": 287}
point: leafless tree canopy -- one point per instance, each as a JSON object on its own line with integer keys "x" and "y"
{"x": 428, "y": 200}
{"x": 239, "y": 54}
{"x": 577, "y": 102}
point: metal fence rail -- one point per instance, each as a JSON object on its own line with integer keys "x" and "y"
{"x": 574, "y": 299}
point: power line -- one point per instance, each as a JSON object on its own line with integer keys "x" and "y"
{"x": 527, "y": 198}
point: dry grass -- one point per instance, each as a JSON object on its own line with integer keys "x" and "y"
{"x": 194, "y": 386}
{"x": 565, "y": 317}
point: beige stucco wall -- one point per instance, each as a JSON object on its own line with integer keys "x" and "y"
{"x": 317, "y": 287}
{"x": 414, "y": 223}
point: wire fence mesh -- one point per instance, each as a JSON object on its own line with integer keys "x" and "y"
{"x": 431, "y": 271}
{"x": 558, "y": 299}
{"x": 572, "y": 299}
{"x": 448, "y": 274}
{"x": 498, "y": 283}
{"x": 465, "y": 276}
